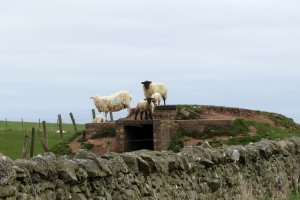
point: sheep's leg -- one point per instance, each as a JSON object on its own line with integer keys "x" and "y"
{"x": 164, "y": 100}
{"x": 142, "y": 115}
{"x": 128, "y": 110}
{"x": 111, "y": 116}
{"x": 106, "y": 116}
{"x": 146, "y": 115}
{"x": 150, "y": 114}
{"x": 136, "y": 113}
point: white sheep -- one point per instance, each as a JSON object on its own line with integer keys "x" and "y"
{"x": 157, "y": 98}
{"x": 98, "y": 119}
{"x": 113, "y": 103}
{"x": 151, "y": 88}
{"x": 58, "y": 131}
{"x": 146, "y": 106}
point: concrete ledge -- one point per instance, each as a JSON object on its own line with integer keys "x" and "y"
{"x": 135, "y": 122}
{"x": 166, "y": 107}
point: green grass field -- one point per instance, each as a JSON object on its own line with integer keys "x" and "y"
{"x": 12, "y": 137}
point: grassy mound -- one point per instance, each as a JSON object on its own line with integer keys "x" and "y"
{"x": 267, "y": 125}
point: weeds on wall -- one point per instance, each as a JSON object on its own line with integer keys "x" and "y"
{"x": 177, "y": 141}
{"x": 87, "y": 146}
{"x": 105, "y": 132}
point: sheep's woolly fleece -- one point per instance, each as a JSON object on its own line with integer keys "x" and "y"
{"x": 157, "y": 98}
{"x": 156, "y": 88}
{"x": 114, "y": 102}
{"x": 144, "y": 106}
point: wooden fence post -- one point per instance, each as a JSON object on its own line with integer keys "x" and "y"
{"x": 73, "y": 122}
{"x": 94, "y": 113}
{"x": 22, "y": 126}
{"x": 6, "y": 124}
{"x": 45, "y": 135}
{"x": 25, "y": 145}
{"x": 32, "y": 142}
{"x": 60, "y": 127}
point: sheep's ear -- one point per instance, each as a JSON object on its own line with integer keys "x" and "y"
{"x": 142, "y": 82}
{"x": 92, "y": 97}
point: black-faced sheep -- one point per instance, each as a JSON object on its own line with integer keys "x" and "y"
{"x": 150, "y": 88}
{"x": 146, "y": 106}
{"x": 113, "y": 103}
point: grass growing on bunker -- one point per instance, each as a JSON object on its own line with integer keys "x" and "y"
{"x": 238, "y": 134}
{"x": 264, "y": 131}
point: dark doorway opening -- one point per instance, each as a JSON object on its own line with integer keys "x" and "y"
{"x": 138, "y": 137}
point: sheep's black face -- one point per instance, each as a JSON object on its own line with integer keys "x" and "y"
{"x": 146, "y": 84}
{"x": 149, "y": 100}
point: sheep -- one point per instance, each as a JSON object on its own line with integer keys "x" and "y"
{"x": 151, "y": 88}
{"x": 58, "y": 131}
{"x": 157, "y": 98}
{"x": 98, "y": 119}
{"x": 113, "y": 103}
{"x": 146, "y": 106}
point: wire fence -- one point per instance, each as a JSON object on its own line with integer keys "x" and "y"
{"x": 182, "y": 140}
{"x": 81, "y": 117}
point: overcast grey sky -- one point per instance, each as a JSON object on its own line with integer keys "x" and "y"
{"x": 55, "y": 54}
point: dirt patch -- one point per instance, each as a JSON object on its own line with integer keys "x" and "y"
{"x": 75, "y": 145}
{"x": 101, "y": 145}
{"x": 232, "y": 113}
{"x": 252, "y": 131}
{"x": 189, "y": 141}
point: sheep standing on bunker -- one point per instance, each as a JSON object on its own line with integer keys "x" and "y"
{"x": 157, "y": 98}
{"x": 150, "y": 88}
{"x": 113, "y": 103}
{"x": 146, "y": 106}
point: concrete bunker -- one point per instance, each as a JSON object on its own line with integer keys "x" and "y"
{"x": 156, "y": 134}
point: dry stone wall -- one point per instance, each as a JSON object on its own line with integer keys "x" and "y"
{"x": 266, "y": 168}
